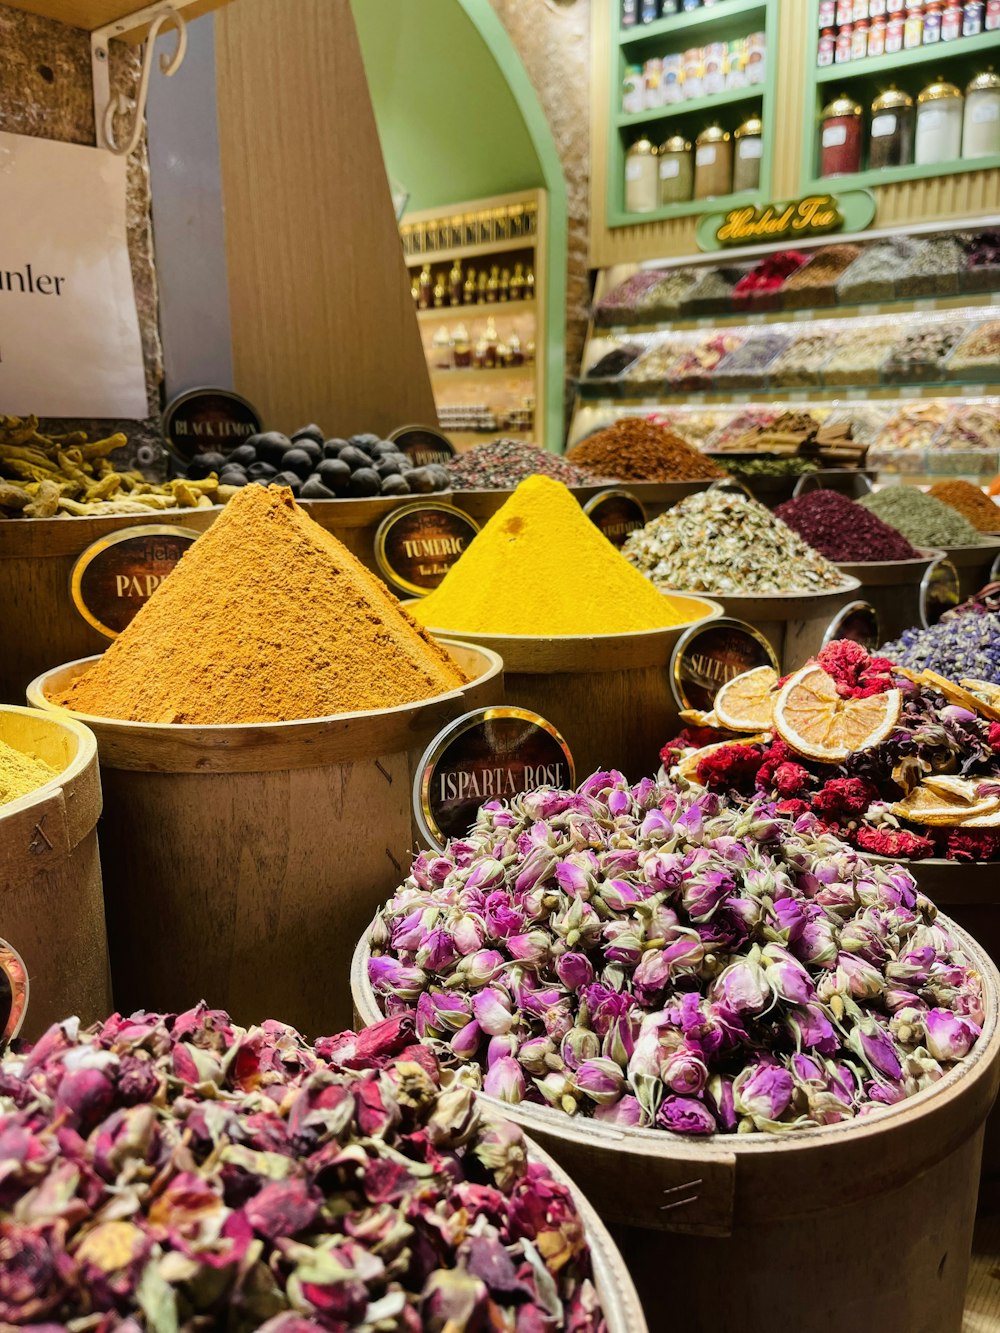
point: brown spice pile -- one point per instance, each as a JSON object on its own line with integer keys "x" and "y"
{"x": 267, "y": 618}
{"x": 21, "y": 773}
{"x": 971, "y": 503}
{"x": 634, "y": 449}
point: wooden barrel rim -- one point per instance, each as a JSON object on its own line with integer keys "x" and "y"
{"x": 68, "y": 806}
{"x": 533, "y": 654}
{"x": 964, "y": 556}
{"x": 926, "y": 1127}
{"x": 173, "y": 747}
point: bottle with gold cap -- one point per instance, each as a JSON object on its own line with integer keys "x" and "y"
{"x": 469, "y": 287}
{"x": 891, "y": 134}
{"x": 981, "y": 125}
{"x": 749, "y": 148}
{"x": 455, "y": 284}
{"x": 840, "y": 137}
{"x": 642, "y": 186}
{"x": 676, "y": 170}
{"x": 713, "y": 163}
{"x": 939, "y": 124}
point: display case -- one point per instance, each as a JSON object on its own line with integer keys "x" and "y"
{"x": 478, "y": 280}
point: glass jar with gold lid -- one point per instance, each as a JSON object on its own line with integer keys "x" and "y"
{"x": 840, "y": 137}
{"x": 939, "y": 124}
{"x": 891, "y": 133}
{"x": 642, "y": 184}
{"x": 676, "y": 170}
{"x": 981, "y": 125}
{"x": 749, "y": 148}
{"x": 713, "y": 163}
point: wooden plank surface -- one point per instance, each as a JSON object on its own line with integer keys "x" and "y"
{"x": 323, "y": 323}
{"x": 982, "y": 1303}
{"x": 90, "y": 14}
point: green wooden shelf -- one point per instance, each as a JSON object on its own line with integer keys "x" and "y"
{"x": 715, "y": 17}
{"x": 862, "y": 180}
{"x": 697, "y": 106}
{"x": 872, "y": 66}
{"x": 686, "y": 210}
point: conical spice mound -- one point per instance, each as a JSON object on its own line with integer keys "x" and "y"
{"x": 540, "y": 566}
{"x": 267, "y": 618}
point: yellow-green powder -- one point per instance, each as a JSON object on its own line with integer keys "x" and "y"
{"x": 21, "y": 773}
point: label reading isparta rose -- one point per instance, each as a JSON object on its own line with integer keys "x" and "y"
{"x": 416, "y": 546}
{"x": 708, "y": 655}
{"x": 117, "y": 575}
{"x": 616, "y": 513}
{"x": 489, "y": 754}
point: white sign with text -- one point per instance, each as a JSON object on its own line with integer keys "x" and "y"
{"x": 69, "y": 331}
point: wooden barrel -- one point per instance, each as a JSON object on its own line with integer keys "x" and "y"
{"x": 892, "y": 587}
{"x": 609, "y": 694}
{"x": 793, "y": 623}
{"x": 39, "y": 622}
{"x": 51, "y": 906}
{"x": 619, "y": 1298}
{"x": 241, "y": 862}
{"x": 973, "y": 564}
{"x": 871, "y": 1218}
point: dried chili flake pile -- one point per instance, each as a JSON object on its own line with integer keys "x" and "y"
{"x": 179, "y": 1173}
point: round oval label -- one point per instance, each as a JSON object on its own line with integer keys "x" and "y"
{"x": 731, "y": 484}
{"x": 938, "y": 591}
{"x": 857, "y": 621}
{"x": 486, "y": 755}
{"x": 423, "y": 444}
{"x": 706, "y": 656}
{"x": 14, "y": 990}
{"x": 118, "y": 574}
{"x": 616, "y": 513}
{"x": 208, "y": 421}
{"x": 416, "y": 545}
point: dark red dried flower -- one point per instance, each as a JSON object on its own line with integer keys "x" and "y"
{"x": 729, "y": 767}
{"x": 893, "y": 842}
{"x": 979, "y": 844}
{"x": 994, "y": 737}
{"x": 844, "y": 798}
{"x": 790, "y": 779}
{"x": 856, "y": 673}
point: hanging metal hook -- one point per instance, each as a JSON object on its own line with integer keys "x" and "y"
{"x": 169, "y": 65}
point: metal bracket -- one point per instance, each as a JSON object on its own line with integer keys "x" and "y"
{"x": 154, "y": 18}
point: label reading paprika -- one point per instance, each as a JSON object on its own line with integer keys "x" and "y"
{"x": 211, "y": 421}
{"x": 616, "y": 513}
{"x": 416, "y": 545}
{"x": 423, "y": 444}
{"x": 117, "y": 575}
{"x": 858, "y": 621}
{"x": 938, "y": 591}
{"x": 490, "y": 754}
{"x": 708, "y": 655}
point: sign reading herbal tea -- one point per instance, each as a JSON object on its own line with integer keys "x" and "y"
{"x": 788, "y": 220}
{"x": 423, "y": 444}
{"x": 69, "y": 329}
{"x": 708, "y": 655}
{"x": 117, "y": 575}
{"x": 416, "y": 546}
{"x": 489, "y": 754}
{"x": 616, "y": 513}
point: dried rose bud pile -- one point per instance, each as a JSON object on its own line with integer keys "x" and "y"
{"x": 181, "y": 1173}
{"x": 651, "y": 958}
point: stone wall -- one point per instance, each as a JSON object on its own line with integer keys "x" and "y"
{"x": 553, "y": 40}
{"x": 46, "y": 91}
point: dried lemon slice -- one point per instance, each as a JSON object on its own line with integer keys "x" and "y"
{"x": 688, "y": 766}
{"x": 694, "y": 717}
{"x": 946, "y": 801}
{"x": 745, "y": 703}
{"x": 957, "y": 695}
{"x": 811, "y": 717}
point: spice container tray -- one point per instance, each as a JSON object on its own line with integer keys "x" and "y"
{"x": 51, "y": 901}
{"x": 609, "y": 694}
{"x": 893, "y": 588}
{"x": 757, "y": 1207}
{"x": 217, "y": 877}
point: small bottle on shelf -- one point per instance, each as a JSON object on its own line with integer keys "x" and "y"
{"x": 529, "y": 284}
{"x": 845, "y": 43}
{"x": 649, "y": 11}
{"x": 972, "y": 18}
{"x": 426, "y": 288}
{"x": 461, "y": 347}
{"x": 981, "y": 126}
{"x": 469, "y": 287}
{"x": 440, "y": 290}
{"x": 481, "y": 287}
{"x": 913, "y": 27}
{"x": 951, "y": 22}
{"x": 493, "y": 284}
{"x": 441, "y": 345}
{"x": 516, "y": 354}
{"x": 629, "y": 13}
{"x": 939, "y": 124}
{"x": 415, "y": 289}
{"x": 505, "y": 284}
{"x": 859, "y": 40}
{"x": 876, "y": 37}
{"x": 492, "y": 339}
{"x": 517, "y": 283}
{"x": 932, "y": 23}
{"x": 891, "y": 130}
{"x": 840, "y": 137}
{"x": 455, "y": 284}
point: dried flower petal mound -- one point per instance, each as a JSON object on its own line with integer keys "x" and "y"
{"x": 653, "y": 958}
{"x": 182, "y": 1173}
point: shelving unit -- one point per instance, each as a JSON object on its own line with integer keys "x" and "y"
{"x": 673, "y": 35}
{"x": 957, "y": 61}
{"x": 504, "y": 392}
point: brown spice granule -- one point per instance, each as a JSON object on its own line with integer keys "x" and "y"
{"x": 267, "y": 618}
{"x": 970, "y": 502}
{"x": 634, "y": 449}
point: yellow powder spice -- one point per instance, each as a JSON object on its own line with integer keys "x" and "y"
{"x": 21, "y": 773}
{"x": 266, "y": 618}
{"x": 540, "y": 566}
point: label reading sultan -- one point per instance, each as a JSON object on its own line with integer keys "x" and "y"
{"x": 707, "y": 656}
{"x": 489, "y": 754}
{"x": 416, "y": 545}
